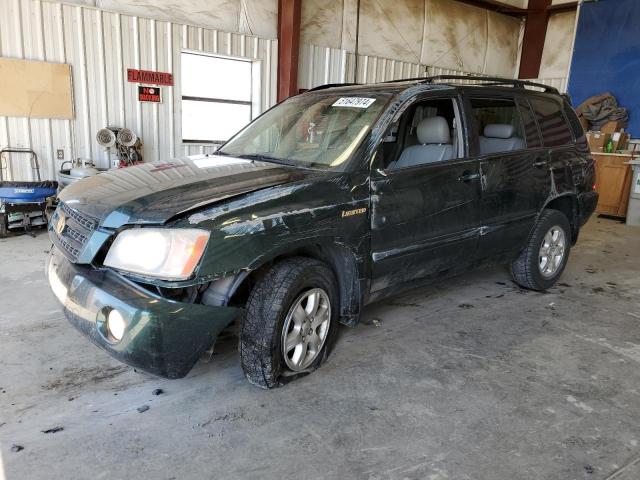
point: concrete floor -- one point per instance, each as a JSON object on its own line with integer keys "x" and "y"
{"x": 470, "y": 379}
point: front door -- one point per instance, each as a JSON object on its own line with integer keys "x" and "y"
{"x": 425, "y": 217}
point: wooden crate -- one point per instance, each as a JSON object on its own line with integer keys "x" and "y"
{"x": 613, "y": 183}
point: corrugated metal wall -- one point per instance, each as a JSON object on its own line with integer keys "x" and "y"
{"x": 322, "y": 65}
{"x": 100, "y": 46}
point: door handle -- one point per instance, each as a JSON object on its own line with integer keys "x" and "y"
{"x": 541, "y": 163}
{"x": 468, "y": 176}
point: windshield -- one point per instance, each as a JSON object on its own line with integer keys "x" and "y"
{"x": 318, "y": 130}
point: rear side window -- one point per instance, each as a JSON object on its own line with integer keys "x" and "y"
{"x": 531, "y": 133}
{"x": 553, "y": 124}
{"x": 578, "y": 131}
{"x": 498, "y": 125}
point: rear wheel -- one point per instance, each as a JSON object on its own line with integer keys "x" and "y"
{"x": 290, "y": 322}
{"x": 543, "y": 259}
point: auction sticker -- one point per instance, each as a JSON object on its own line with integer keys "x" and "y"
{"x": 355, "y": 102}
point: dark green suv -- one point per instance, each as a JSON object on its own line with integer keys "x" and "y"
{"x": 328, "y": 201}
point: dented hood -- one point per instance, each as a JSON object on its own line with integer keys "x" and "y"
{"x": 152, "y": 193}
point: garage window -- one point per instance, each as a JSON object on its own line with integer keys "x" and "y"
{"x": 216, "y": 97}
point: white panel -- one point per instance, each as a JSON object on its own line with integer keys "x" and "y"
{"x": 254, "y": 17}
{"x": 556, "y": 54}
{"x": 392, "y": 29}
{"x": 444, "y": 33}
{"x": 100, "y": 45}
{"x": 520, "y": 3}
{"x": 503, "y": 44}
{"x": 330, "y": 23}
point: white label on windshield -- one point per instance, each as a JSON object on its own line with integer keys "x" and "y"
{"x": 355, "y": 102}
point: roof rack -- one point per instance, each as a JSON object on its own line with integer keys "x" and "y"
{"x": 493, "y": 81}
{"x": 490, "y": 81}
{"x": 332, "y": 85}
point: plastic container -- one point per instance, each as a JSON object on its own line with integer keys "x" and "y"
{"x": 633, "y": 211}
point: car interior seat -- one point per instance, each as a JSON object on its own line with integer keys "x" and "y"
{"x": 499, "y": 137}
{"x": 434, "y": 145}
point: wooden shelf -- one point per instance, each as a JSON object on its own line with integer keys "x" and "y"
{"x": 613, "y": 183}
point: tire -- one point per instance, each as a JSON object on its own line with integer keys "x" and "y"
{"x": 4, "y": 225}
{"x": 270, "y": 307}
{"x": 530, "y": 270}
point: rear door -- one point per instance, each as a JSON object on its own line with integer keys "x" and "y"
{"x": 558, "y": 139}
{"x": 514, "y": 174}
{"x": 425, "y": 218}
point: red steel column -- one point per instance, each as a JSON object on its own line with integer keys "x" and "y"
{"x": 288, "y": 47}
{"x": 535, "y": 30}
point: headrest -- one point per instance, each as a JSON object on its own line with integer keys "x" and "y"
{"x": 499, "y": 130}
{"x": 433, "y": 130}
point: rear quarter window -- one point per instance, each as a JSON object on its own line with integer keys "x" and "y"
{"x": 552, "y": 121}
{"x": 530, "y": 126}
{"x": 570, "y": 113}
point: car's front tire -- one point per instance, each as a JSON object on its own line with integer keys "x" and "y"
{"x": 4, "y": 225}
{"x": 543, "y": 259}
{"x": 290, "y": 322}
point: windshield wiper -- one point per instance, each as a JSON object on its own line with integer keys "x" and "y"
{"x": 266, "y": 158}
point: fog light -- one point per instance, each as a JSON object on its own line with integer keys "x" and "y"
{"x": 115, "y": 325}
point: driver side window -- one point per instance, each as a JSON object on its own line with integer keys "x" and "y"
{"x": 428, "y": 132}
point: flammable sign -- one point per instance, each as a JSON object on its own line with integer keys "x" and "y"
{"x": 149, "y": 94}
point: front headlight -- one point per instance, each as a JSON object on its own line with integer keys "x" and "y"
{"x": 170, "y": 254}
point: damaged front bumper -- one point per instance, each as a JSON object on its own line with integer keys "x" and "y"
{"x": 161, "y": 337}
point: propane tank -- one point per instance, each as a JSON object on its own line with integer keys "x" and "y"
{"x": 83, "y": 168}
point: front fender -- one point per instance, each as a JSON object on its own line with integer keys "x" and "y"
{"x": 250, "y": 231}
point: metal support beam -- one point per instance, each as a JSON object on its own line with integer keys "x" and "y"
{"x": 497, "y": 6}
{"x": 288, "y": 47}
{"x": 535, "y": 31}
{"x": 563, "y": 7}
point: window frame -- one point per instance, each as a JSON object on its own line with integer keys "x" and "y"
{"x": 522, "y": 101}
{"x": 459, "y": 108}
{"x": 475, "y": 133}
{"x": 548, "y": 98}
{"x": 253, "y": 103}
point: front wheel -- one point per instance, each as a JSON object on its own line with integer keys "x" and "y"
{"x": 290, "y": 322}
{"x": 543, "y": 259}
{"x": 4, "y": 225}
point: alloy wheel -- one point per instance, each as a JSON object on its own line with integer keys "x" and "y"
{"x": 305, "y": 329}
{"x": 552, "y": 251}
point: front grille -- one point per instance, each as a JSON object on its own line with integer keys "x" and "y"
{"x": 72, "y": 237}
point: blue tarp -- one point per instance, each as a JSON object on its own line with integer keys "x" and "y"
{"x": 606, "y": 57}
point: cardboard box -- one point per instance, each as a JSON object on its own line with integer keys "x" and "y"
{"x": 612, "y": 126}
{"x": 620, "y": 141}
{"x": 597, "y": 140}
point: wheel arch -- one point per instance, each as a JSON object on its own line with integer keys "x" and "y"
{"x": 567, "y": 203}
{"x": 342, "y": 260}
